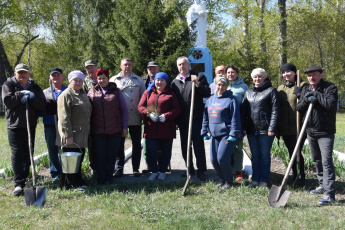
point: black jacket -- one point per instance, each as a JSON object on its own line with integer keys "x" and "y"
{"x": 323, "y": 115}
{"x": 184, "y": 94}
{"x": 260, "y": 109}
{"x": 15, "y": 110}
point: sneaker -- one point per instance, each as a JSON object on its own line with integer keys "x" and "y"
{"x": 226, "y": 185}
{"x": 18, "y": 191}
{"x": 81, "y": 188}
{"x": 220, "y": 183}
{"x": 238, "y": 176}
{"x": 253, "y": 184}
{"x": 318, "y": 190}
{"x": 153, "y": 176}
{"x": 136, "y": 174}
{"x": 118, "y": 173}
{"x": 326, "y": 200}
{"x": 263, "y": 184}
{"x": 201, "y": 175}
{"x": 162, "y": 176}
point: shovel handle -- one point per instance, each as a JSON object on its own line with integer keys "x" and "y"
{"x": 30, "y": 149}
{"x": 297, "y": 144}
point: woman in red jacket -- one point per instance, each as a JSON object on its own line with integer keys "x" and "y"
{"x": 160, "y": 107}
{"x": 109, "y": 122}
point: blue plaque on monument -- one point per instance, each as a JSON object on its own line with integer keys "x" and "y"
{"x": 201, "y": 61}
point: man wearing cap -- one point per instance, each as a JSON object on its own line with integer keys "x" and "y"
{"x": 321, "y": 129}
{"x": 18, "y": 91}
{"x": 132, "y": 87}
{"x": 89, "y": 82}
{"x": 182, "y": 86}
{"x": 56, "y": 77}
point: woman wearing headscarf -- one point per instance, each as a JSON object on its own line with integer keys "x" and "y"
{"x": 287, "y": 128}
{"x": 159, "y": 106}
{"x": 74, "y": 112}
{"x": 223, "y": 122}
{"x": 238, "y": 89}
{"x": 260, "y": 119}
{"x": 109, "y": 122}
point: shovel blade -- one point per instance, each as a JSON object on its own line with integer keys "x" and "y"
{"x": 36, "y": 196}
{"x": 278, "y": 196}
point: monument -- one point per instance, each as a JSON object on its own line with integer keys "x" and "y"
{"x": 200, "y": 59}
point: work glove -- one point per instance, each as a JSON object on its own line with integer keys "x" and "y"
{"x": 310, "y": 97}
{"x": 28, "y": 93}
{"x": 162, "y": 118}
{"x": 153, "y": 117}
{"x": 24, "y": 99}
{"x": 297, "y": 91}
{"x": 231, "y": 138}
{"x": 206, "y": 137}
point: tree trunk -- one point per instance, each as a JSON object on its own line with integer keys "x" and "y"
{"x": 5, "y": 67}
{"x": 282, "y": 32}
{"x": 262, "y": 26}
{"x": 19, "y": 56}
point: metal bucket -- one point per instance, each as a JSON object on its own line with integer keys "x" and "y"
{"x": 70, "y": 161}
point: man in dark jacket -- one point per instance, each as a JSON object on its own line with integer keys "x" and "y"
{"x": 321, "y": 129}
{"x": 182, "y": 86}
{"x": 18, "y": 91}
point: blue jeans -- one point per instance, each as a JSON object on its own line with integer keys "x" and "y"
{"x": 53, "y": 151}
{"x": 220, "y": 152}
{"x": 260, "y": 147}
{"x": 152, "y": 148}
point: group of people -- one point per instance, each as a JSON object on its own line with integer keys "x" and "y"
{"x": 97, "y": 112}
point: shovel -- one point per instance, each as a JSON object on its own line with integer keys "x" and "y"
{"x": 35, "y": 196}
{"x": 278, "y": 195}
{"x": 189, "y": 138}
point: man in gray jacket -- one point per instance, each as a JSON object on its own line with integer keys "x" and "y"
{"x": 132, "y": 87}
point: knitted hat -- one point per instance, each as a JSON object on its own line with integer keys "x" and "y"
{"x": 102, "y": 71}
{"x": 288, "y": 66}
{"x": 75, "y": 74}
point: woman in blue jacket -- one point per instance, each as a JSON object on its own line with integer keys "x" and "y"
{"x": 222, "y": 121}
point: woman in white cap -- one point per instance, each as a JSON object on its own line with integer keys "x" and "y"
{"x": 74, "y": 113}
{"x": 260, "y": 119}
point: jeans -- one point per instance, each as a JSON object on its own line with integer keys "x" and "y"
{"x": 260, "y": 147}
{"x": 18, "y": 140}
{"x": 106, "y": 148}
{"x": 237, "y": 155}
{"x": 152, "y": 148}
{"x": 220, "y": 154}
{"x": 53, "y": 151}
{"x": 198, "y": 144}
{"x": 321, "y": 148}
{"x": 135, "y": 132}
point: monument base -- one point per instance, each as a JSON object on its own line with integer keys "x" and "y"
{"x": 201, "y": 61}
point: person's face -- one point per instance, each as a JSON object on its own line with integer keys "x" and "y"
{"x": 231, "y": 74}
{"x": 183, "y": 66}
{"x": 102, "y": 80}
{"x": 56, "y": 79}
{"x": 221, "y": 87}
{"x": 152, "y": 71}
{"x": 258, "y": 80}
{"x": 160, "y": 84}
{"x": 22, "y": 77}
{"x": 289, "y": 76}
{"x": 91, "y": 71}
{"x": 76, "y": 84}
{"x": 314, "y": 78}
{"x": 126, "y": 66}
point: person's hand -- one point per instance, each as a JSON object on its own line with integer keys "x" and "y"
{"x": 162, "y": 118}
{"x": 28, "y": 93}
{"x": 297, "y": 90}
{"x": 271, "y": 133}
{"x": 310, "y": 97}
{"x": 206, "y": 137}
{"x": 24, "y": 99}
{"x": 153, "y": 117}
{"x": 231, "y": 138}
{"x": 194, "y": 79}
{"x": 124, "y": 132}
{"x": 69, "y": 140}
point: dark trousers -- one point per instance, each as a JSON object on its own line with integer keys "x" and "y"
{"x": 135, "y": 133}
{"x": 18, "y": 141}
{"x": 74, "y": 180}
{"x": 290, "y": 143}
{"x": 153, "y": 147}
{"x": 92, "y": 157}
{"x": 321, "y": 148}
{"x": 198, "y": 144}
{"x": 53, "y": 151}
{"x": 106, "y": 148}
